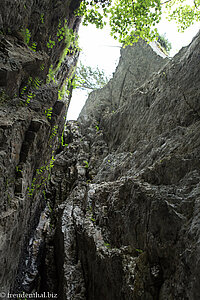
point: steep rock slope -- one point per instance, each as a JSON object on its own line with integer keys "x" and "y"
{"x": 126, "y": 185}
{"x": 134, "y": 68}
{"x": 33, "y": 36}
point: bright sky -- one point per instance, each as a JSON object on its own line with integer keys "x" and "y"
{"x": 100, "y": 49}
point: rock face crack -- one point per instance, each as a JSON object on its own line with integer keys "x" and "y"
{"x": 190, "y": 106}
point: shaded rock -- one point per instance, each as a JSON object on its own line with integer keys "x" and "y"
{"x": 31, "y": 124}
{"x": 129, "y": 216}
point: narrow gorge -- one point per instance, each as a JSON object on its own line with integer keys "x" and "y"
{"x": 106, "y": 207}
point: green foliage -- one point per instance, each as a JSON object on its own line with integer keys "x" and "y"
{"x": 34, "y": 46}
{"x": 164, "y": 42}
{"x": 27, "y": 91}
{"x": 50, "y": 43}
{"x": 51, "y": 75}
{"x": 48, "y": 113}
{"x": 71, "y": 84}
{"x": 62, "y": 140}
{"x": 71, "y": 42}
{"x": 42, "y": 18}
{"x": 30, "y": 96}
{"x": 40, "y": 170}
{"x": 62, "y": 31}
{"x": 42, "y": 67}
{"x": 3, "y": 96}
{"x": 107, "y": 245}
{"x": 54, "y": 132}
{"x": 39, "y": 180}
{"x": 131, "y": 19}
{"x": 88, "y": 78}
{"x": 71, "y": 46}
{"x": 139, "y": 250}
{"x": 26, "y": 35}
{"x": 90, "y": 214}
{"x": 30, "y": 80}
{"x": 61, "y": 92}
{"x": 65, "y": 89}
{"x": 70, "y": 38}
{"x": 31, "y": 189}
{"x": 51, "y": 163}
{"x": 23, "y": 90}
{"x": 46, "y": 167}
{"x": 86, "y": 164}
{"x": 185, "y": 15}
{"x": 18, "y": 169}
{"x": 36, "y": 83}
{"x": 94, "y": 12}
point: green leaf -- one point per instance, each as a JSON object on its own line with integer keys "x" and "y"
{"x": 133, "y": 19}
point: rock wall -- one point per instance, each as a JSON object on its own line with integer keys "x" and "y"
{"x": 33, "y": 71}
{"x": 126, "y": 186}
{"x": 108, "y": 208}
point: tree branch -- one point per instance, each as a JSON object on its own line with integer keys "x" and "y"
{"x": 166, "y": 2}
{"x": 195, "y": 5}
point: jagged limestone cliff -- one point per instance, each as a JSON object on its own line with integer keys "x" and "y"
{"x": 126, "y": 187}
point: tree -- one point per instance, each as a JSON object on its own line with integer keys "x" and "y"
{"x": 88, "y": 78}
{"x": 164, "y": 43}
{"x": 131, "y": 19}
